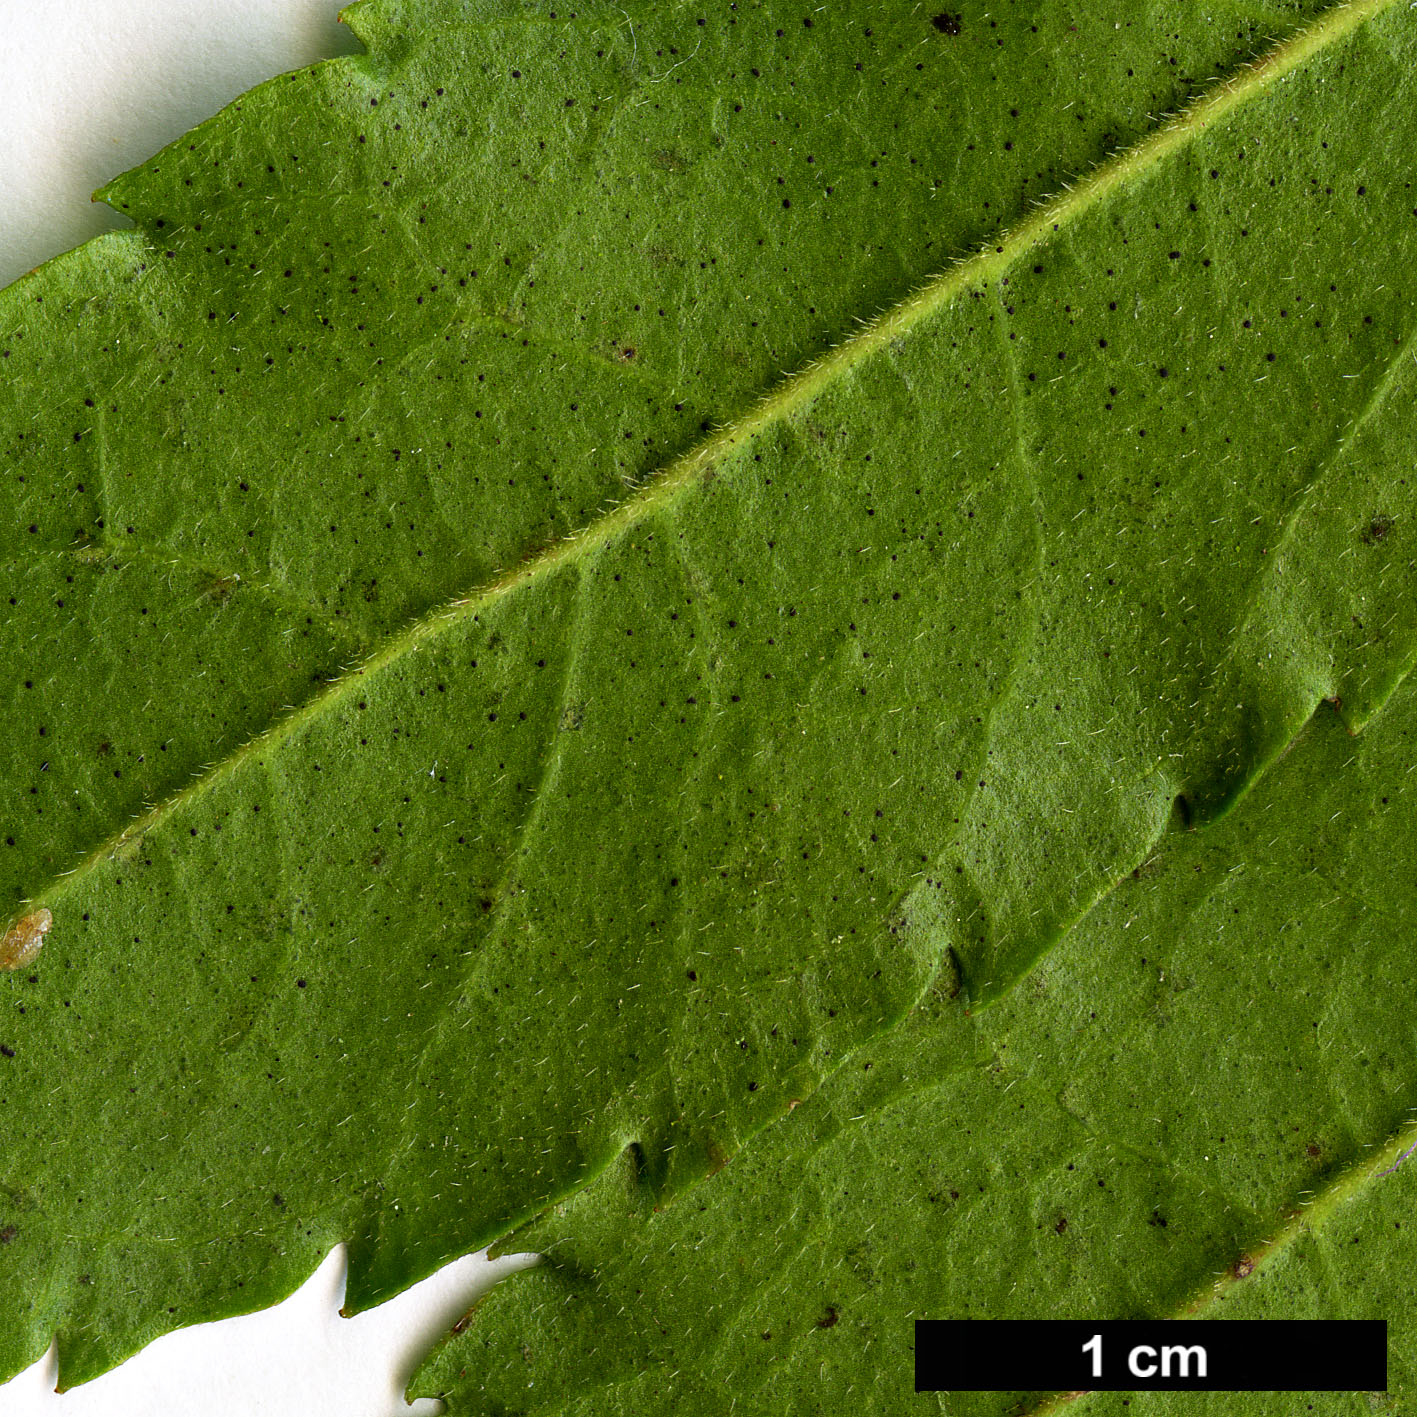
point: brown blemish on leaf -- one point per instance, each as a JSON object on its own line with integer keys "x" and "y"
{"x": 828, "y": 1319}
{"x": 1243, "y": 1268}
{"x": 221, "y": 588}
{"x": 24, "y": 939}
{"x": 717, "y": 1159}
{"x": 1377, "y": 529}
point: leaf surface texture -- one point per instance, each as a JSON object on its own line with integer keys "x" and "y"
{"x": 576, "y": 572}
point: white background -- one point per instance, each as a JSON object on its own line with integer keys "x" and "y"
{"x": 89, "y": 88}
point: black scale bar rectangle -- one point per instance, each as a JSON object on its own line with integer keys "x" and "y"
{"x": 1157, "y": 1355}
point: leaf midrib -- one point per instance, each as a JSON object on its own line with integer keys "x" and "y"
{"x": 798, "y": 390}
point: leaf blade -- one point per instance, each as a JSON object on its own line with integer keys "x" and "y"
{"x": 308, "y": 942}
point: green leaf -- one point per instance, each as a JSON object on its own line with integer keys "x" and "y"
{"x": 475, "y": 720}
{"x": 1213, "y": 1134}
